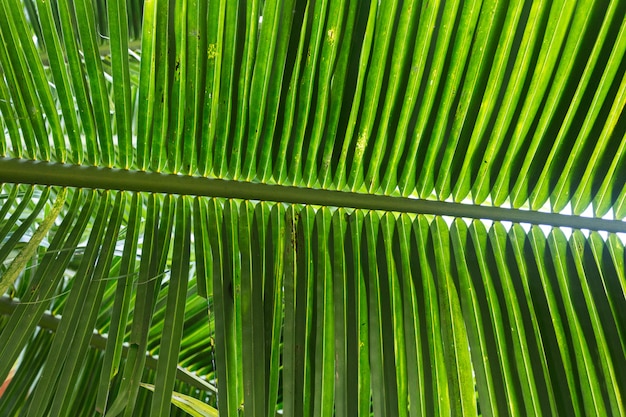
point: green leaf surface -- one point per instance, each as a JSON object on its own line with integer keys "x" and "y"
{"x": 190, "y": 405}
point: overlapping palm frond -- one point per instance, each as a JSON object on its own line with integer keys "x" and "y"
{"x": 312, "y": 207}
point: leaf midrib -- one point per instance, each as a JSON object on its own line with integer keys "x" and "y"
{"x": 21, "y": 171}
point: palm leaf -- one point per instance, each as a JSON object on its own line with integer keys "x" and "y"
{"x": 312, "y": 207}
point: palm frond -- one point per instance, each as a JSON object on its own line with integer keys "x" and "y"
{"x": 312, "y": 207}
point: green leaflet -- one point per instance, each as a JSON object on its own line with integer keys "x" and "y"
{"x": 19, "y": 262}
{"x": 193, "y": 406}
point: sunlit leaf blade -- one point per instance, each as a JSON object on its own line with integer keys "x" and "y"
{"x": 330, "y": 41}
{"x": 95, "y": 76}
{"x": 439, "y": 401}
{"x": 23, "y": 321}
{"x": 454, "y": 335}
{"x": 521, "y": 348}
{"x": 19, "y": 262}
{"x": 604, "y": 197}
{"x": 407, "y": 24}
{"x": 176, "y": 126}
{"x": 592, "y": 397}
{"x": 72, "y": 311}
{"x": 459, "y": 50}
{"x": 147, "y": 280}
{"x": 273, "y": 303}
{"x": 324, "y": 334}
{"x": 79, "y": 82}
{"x": 340, "y": 307}
{"x": 161, "y": 122}
{"x": 175, "y": 310}
{"x": 147, "y": 95}
{"x": 8, "y": 123}
{"x": 117, "y": 12}
{"x": 25, "y": 193}
{"x": 388, "y": 226}
{"x": 247, "y": 38}
{"x": 486, "y": 373}
{"x": 229, "y": 66}
{"x": 289, "y": 329}
{"x": 358, "y": 345}
{"x": 204, "y": 270}
{"x": 150, "y": 275}
{"x": 252, "y": 317}
{"x": 352, "y": 145}
{"x": 413, "y": 333}
{"x": 500, "y": 147}
{"x": 612, "y": 282}
{"x": 474, "y": 164}
{"x": 521, "y": 250}
{"x": 314, "y": 35}
{"x": 193, "y": 104}
{"x": 89, "y": 314}
{"x": 372, "y": 90}
{"x": 487, "y": 27}
{"x": 223, "y": 293}
{"x": 121, "y": 307}
{"x": 571, "y": 172}
{"x": 191, "y": 405}
{"x": 586, "y": 272}
{"x": 556, "y": 29}
{"x": 497, "y": 320}
{"x": 22, "y": 87}
{"x": 35, "y": 355}
{"x": 385, "y": 386}
{"x": 304, "y": 312}
{"x": 61, "y": 77}
{"x": 556, "y": 340}
{"x": 215, "y": 34}
{"x": 565, "y": 72}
